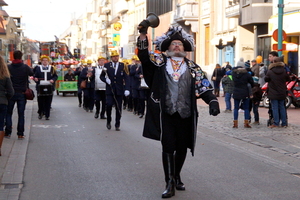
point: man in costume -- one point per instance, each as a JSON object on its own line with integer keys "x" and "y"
{"x": 114, "y": 76}
{"x": 175, "y": 83}
{"x": 45, "y": 77}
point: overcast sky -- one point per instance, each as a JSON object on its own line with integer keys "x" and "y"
{"x": 45, "y": 18}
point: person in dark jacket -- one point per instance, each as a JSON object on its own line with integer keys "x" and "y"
{"x": 45, "y": 77}
{"x": 69, "y": 76}
{"x": 217, "y": 75}
{"x": 6, "y": 92}
{"x": 19, "y": 76}
{"x": 228, "y": 89}
{"x": 256, "y": 98}
{"x": 88, "y": 92}
{"x": 77, "y": 73}
{"x": 277, "y": 77}
{"x": 117, "y": 86}
{"x": 241, "y": 94}
{"x": 175, "y": 83}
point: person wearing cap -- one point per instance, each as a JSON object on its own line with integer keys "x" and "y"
{"x": 134, "y": 83}
{"x": 277, "y": 77}
{"x": 99, "y": 89}
{"x": 88, "y": 92}
{"x": 77, "y": 73}
{"x": 114, "y": 76}
{"x": 138, "y": 93}
{"x": 175, "y": 84}
{"x": 45, "y": 74}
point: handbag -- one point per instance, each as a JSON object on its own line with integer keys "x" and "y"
{"x": 143, "y": 84}
{"x": 29, "y": 94}
{"x": 83, "y": 84}
{"x": 213, "y": 78}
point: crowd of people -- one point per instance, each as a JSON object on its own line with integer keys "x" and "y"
{"x": 243, "y": 84}
{"x": 111, "y": 85}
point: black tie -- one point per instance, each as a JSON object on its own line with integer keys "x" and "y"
{"x": 114, "y": 65}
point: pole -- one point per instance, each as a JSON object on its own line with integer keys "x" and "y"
{"x": 280, "y": 20}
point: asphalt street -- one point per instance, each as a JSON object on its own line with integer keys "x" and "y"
{"x": 74, "y": 156}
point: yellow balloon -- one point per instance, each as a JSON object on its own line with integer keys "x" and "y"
{"x": 258, "y": 59}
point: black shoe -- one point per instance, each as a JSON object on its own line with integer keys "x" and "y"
{"x": 178, "y": 184}
{"x": 79, "y": 105}
{"x": 108, "y": 126}
{"x": 40, "y": 116}
{"x": 117, "y": 128}
{"x": 96, "y": 115}
{"x": 141, "y": 116}
{"x": 47, "y": 118}
{"x": 102, "y": 117}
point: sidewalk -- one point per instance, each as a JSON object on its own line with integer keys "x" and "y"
{"x": 12, "y": 161}
{"x": 285, "y": 141}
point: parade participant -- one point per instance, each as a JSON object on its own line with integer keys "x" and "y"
{"x": 45, "y": 77}
{"x": 19, "y": 73}
{"x": 70, "y": 76}
{"x": 130, "y": 80}
{"x": 138, "y": 93}
{"x": 134, "y": 83}
{"x": 99, "y": 89}
{"x": 88, "y": 92}
{"x": 114, "y": 76}
{"x": 6, "y": 92}
{"x": 175, "y": 83}
{"x": 77, "y": 73}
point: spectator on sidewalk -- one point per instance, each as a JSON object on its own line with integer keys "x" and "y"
{"x": 228, "y": 90}
{"x": 6, "y": 92}
{"x": 241, "y": 79}
{"x": 20, "y": 73}
{"x": 277, "y": 77}
{"x": 257, "y": 95}
{"x": 216, "y": 79}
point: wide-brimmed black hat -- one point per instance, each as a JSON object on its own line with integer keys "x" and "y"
{"x": 175, "y": 33}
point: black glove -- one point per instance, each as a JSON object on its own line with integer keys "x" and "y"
{"x": 214, "y": 108}
{"x": 143, "y": 26}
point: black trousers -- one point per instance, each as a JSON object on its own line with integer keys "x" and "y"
{"x": 117, "y": 101}
{"x": 44, "y": 104}
{"x": 176, "y": 133}
{"x": 100, "y": 97}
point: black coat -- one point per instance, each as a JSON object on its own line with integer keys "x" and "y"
{"x": 19, "y": 73}
{"x": 241, "y": 78}
{"x": 277, "y": 77}
{"x": 52, "y": 75}
{"x": 119, "y": 81}
{"x": 154, "y": 68}
{"x": 90, "y": 82}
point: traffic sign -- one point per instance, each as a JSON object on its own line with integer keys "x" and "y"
{"x": 275, "y": 47}
{"x": 275, "y": 35}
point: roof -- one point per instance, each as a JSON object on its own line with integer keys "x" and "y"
{"x": 3, "y": 13}
{"x": 2, "y": 3}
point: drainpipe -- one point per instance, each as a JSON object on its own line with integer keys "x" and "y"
{"x": 280, "y": 19}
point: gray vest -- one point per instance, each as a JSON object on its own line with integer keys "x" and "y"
{"x": 178, "y": 95}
